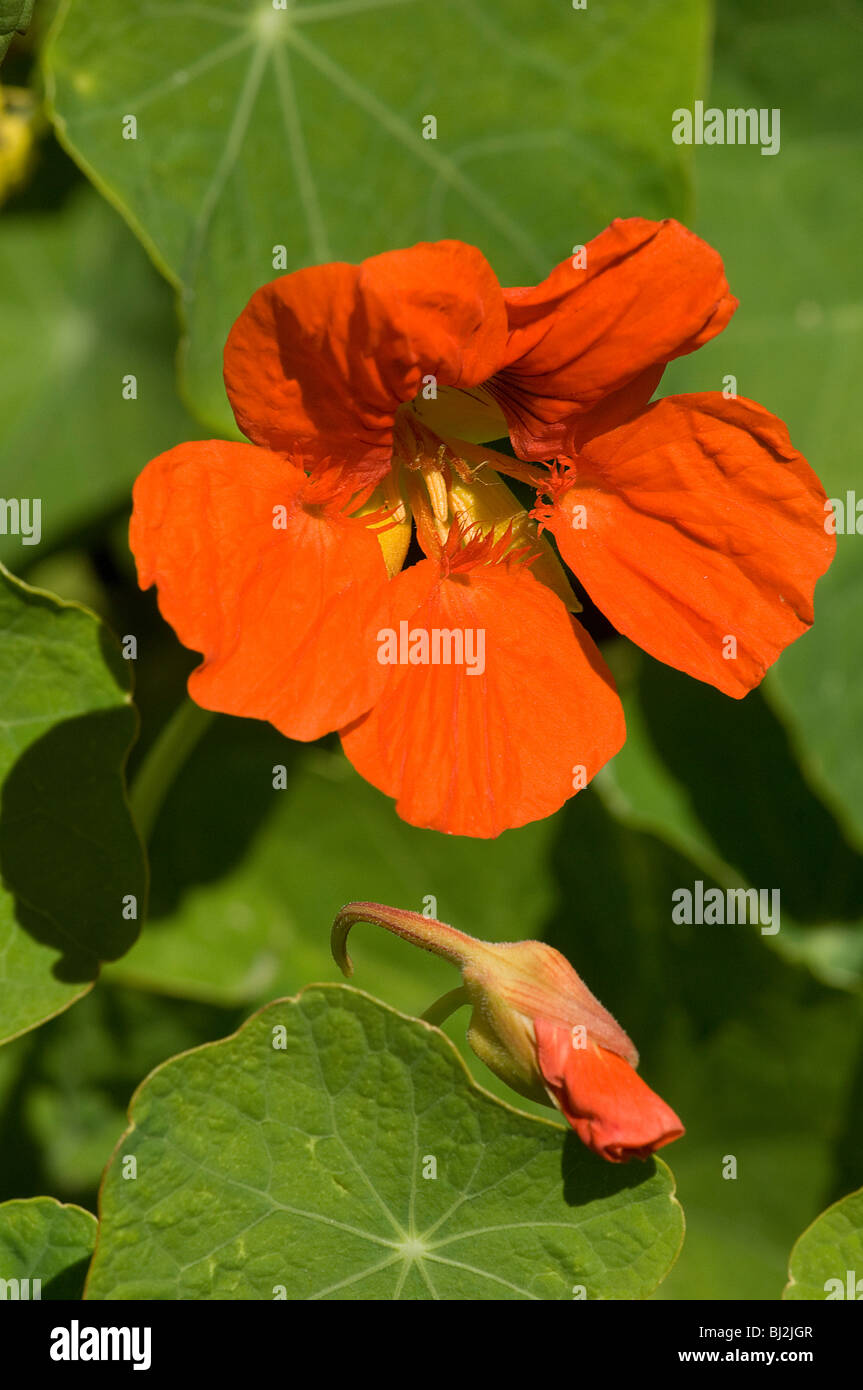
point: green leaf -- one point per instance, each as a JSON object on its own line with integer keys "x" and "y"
{"x": 259, "y": 128}
{"x": 40, "y": 1239}
{"x": 300, "y": 1163}
{"x": 82, "y": 310}
{"x": 831, "y": 1249}
{"x": 759, "y": 1060}
{"x": 15, "y": 16}
{"x": 787, "y": 227}
{"x": 795, "y": 345}
{"x": 247, "y": 879}
{"x": 65, "y": 1087}
{"x": 718, "y": 779}
{"x": 69, "y": 855}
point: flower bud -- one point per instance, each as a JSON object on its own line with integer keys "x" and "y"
{"x": 537, "y": 1026}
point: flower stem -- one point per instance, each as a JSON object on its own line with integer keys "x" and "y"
{"x": 176, "y": 741}
{"x": 419, "y": 930}
{"x": 441, "y": 1009}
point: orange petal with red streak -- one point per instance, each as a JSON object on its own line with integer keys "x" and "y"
{"x": 702, "y": 523}
{"x": 319, "y": 361}
{"x": 649, "y": 292}
{"x": 477, "y": 754}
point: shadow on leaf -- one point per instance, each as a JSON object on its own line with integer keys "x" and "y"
{"x": 735, "y": 760}
{"x": 69, "y": 855}
{"x": 587, "y": 1178}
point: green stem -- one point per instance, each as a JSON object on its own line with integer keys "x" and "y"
{"x": 179, "y": 737}
{"x": 425, "y": 932}
{"x": 441, "y": 1009}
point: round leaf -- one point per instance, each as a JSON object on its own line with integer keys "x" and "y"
{"x": 241, "y": 140}
{"x": 335, "y": 1149}
{"x": 48, "y": 1245}
{"x": 827, "y": 1261}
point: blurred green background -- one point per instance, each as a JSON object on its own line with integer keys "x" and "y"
{"x": 550, "y": 123}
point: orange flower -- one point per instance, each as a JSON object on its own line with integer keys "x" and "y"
{"x": 461, "y": 683}
{"x": 537, "y": 1026}
{"x": 597, "y": 1089}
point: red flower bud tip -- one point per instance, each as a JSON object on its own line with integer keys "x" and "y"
{"x": 537, "y": 1026}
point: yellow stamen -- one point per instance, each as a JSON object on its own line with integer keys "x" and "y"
{"x": 437, "y": 490}
{"x": 393, "y": 497}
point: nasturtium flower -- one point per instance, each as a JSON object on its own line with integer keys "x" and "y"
{"x": 362, "y": 565}
{"x": 537, "y": 1026}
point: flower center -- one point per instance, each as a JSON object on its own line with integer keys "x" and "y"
{"x": 426, "y": 463}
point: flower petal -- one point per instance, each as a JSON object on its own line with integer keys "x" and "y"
{"x": 536, "y": 981}
{"x": 701, "y": 523}
{"x": 649, "y": 292}
{"x": 278, "y": 601}
{"x": 319, "y": 361}
{"x": 608, "y": 1105}
{"x": 474, "y": 754}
